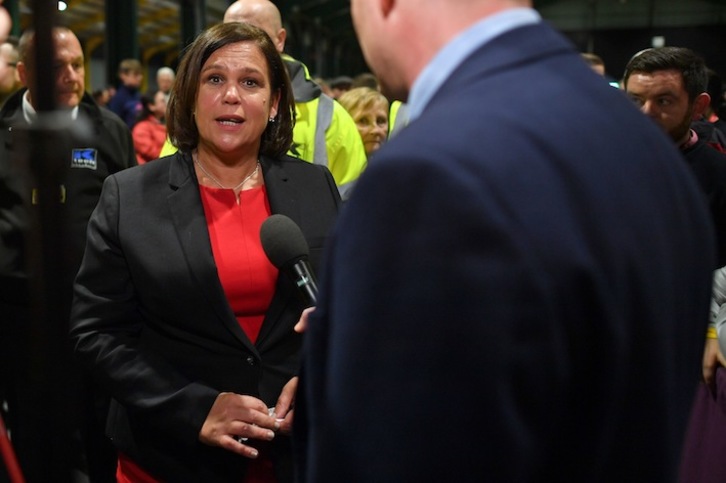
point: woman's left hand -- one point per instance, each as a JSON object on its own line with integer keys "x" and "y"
{"x": 284, "y": 408}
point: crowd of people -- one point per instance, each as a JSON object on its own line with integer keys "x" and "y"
{"x": 565, "y": 271}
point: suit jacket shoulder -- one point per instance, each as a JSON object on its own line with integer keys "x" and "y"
{"x": 513, "y": 221}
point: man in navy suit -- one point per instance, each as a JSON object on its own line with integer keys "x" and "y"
{"x": 518, "y": 287}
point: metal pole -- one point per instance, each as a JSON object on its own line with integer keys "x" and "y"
{"x": 47, "y": 361}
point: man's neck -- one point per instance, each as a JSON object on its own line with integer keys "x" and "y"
{"x": 30, "y": 113}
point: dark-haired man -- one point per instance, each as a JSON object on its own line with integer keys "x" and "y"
{"x": 669, "y": 84}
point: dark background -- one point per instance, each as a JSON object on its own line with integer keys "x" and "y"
{"x": 320, "y": 32}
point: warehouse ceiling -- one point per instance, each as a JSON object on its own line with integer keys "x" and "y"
{"x": 159, "y": 19}
{"x": 312, "y": 23}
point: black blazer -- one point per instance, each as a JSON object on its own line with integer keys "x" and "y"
{"x": 151, "y": 320}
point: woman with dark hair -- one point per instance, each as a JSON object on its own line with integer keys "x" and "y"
{"x": 177, "y": 310}
{"x": 149, "y": 132}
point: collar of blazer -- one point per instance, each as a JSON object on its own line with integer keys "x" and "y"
{"x": 509, "y": 52}
{"x": 187, "y": 214}
{"x": 283, "y": 190}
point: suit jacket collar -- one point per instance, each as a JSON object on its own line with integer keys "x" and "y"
{"x": 515, "y": 47}
{"x": 459, "y": 48}
{"x": 191, "y": 226}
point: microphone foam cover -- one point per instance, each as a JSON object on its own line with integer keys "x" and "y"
{"x": 283, "y": 241}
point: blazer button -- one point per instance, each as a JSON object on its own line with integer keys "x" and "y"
{"x": 250, "y": 360}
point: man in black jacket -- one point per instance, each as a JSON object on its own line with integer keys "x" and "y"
{"x": 669, "y": 86}
{"x": 98, "y": 144}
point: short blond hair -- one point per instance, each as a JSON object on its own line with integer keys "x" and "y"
{"x": 361, "y": 98}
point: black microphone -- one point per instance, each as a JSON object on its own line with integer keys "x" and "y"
{"x": 286, "y": 247}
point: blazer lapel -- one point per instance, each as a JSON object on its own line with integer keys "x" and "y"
{"x": 284, "y": 198}
{"x": 282, "y": 193}
{"x": 188, "y": 217}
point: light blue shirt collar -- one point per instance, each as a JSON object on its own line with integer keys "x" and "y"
{"x": 462, "y": 46}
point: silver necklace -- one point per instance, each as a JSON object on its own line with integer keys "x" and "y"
{"x": 216, "y": 181}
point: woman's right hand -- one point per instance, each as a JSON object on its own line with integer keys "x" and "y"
{"x": 233, "y": 419}
{"x": 302, "y": 324}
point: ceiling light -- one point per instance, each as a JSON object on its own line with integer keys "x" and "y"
{"x": 62, "y": 6}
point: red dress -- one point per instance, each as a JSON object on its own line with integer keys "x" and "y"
{"x": 248, "y": 279}
{"x": 247, "y": 276}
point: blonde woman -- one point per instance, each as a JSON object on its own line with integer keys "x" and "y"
{"x": 369, "y": 110}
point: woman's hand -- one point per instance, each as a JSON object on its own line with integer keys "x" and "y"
{"x": 234, "y": 419}
{"x": 302, "y": 324}
{"x": 284, "y": 408}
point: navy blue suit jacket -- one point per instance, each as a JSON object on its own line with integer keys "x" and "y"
{"x": 516, "y": 291}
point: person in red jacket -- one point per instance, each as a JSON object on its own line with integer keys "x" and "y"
{"x": 149, "y": 132}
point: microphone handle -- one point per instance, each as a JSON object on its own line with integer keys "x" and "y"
{"x": 305, "y": 281}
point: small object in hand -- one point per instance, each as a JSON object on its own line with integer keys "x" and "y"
{"x": 271, "y": 413}
{"x": 242, "y": 439}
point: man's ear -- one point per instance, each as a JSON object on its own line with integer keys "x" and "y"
{"x": 700, "y": 104}
{"x": 22, "y": 73}
{"x": 280, "y": 40}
